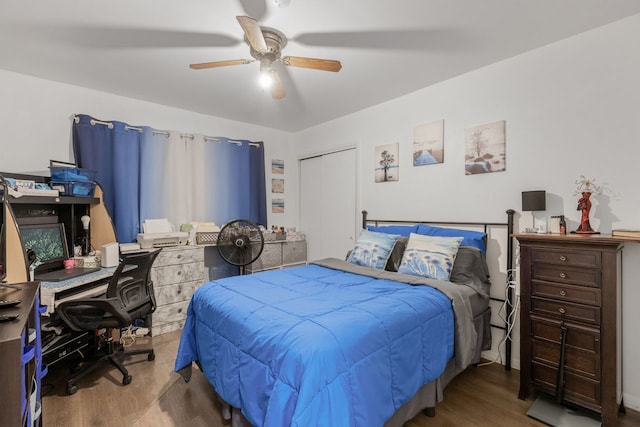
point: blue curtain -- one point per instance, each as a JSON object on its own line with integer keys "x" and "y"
{"x": 157, "y": 174}
{"x": 114, "y": 153}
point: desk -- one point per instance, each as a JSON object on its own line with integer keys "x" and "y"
{"x": 86, "y": 286}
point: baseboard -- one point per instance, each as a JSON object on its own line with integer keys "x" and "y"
{"x": 631, "y": 402}
{"x": 492, "y": 355}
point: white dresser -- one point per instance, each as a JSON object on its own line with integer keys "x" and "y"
{"x": 280, "y": 254}
{"x": 177, "y": 273}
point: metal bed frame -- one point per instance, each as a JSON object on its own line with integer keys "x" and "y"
{"x": 485, "y": 226}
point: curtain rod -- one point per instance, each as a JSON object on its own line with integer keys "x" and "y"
{"x": 94, "y": 122}
{"x": 127, "y": 127}
{"x": 189, "y": 136}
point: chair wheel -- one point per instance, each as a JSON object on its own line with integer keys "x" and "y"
{"x": 151, "y": 356}
{"x": 71, "y": 389}
{"x": 126, "y": 380}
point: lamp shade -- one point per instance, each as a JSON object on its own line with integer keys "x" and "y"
{"x": 534, "y": 200}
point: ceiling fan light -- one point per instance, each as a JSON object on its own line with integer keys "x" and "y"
{"x": 265, "y": 79}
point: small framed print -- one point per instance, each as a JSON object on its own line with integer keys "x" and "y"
{"x": 277, "y": 166}
{"x": 277, "y": 185}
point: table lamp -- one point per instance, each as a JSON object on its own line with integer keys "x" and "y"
{"x": 85, "y": 219}
{"x": 534, "y": 201}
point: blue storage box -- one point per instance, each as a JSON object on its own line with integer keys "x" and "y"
{"x": 74, "y": 188}
{"x": 68, "y": 174}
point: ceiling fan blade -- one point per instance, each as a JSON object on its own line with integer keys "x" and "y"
{"x": 253, "y": 32}
{"x": 316, "y": 64}
{"x": 215, "y": 64}
{"x": 443, "y": 39}
{"x": 277, "y": 89}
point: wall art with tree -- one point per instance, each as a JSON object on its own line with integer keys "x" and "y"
{"x": 485, "y": 148}
{"x": 386, "y": 160}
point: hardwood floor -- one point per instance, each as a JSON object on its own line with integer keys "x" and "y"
{"x": 158, "y": 397}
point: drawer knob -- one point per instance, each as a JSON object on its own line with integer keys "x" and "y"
{"x": 561, "y": 310}
{"x": 563, "y": 276}
{"x": 563, "y": 293}
{"x": 563, "y": 258}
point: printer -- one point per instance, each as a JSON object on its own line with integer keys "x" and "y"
{"x": 158, "y": 233}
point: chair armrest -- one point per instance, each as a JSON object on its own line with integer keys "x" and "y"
{"x": 152, "y": 296}
{"x": 107, "y": 305}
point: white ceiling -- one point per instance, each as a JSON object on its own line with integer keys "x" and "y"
{"x": 142, "y": 48}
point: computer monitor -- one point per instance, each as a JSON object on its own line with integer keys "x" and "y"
{"x": 48, "y": 242}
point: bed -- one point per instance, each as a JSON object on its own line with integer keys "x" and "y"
{"x": 358, "y": 342}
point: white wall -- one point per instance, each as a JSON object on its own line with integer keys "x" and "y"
{"x": 35, "y": 118}
{"x": 571, "y": 109}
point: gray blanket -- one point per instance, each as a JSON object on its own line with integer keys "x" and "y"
{"x": 466, "y": 336}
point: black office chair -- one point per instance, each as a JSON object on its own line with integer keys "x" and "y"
{"x": 129, "y": 297}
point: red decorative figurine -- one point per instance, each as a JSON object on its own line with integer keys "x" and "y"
{"x": 585, "y": 187}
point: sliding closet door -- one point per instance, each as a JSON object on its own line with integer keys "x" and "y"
{"x": 328, "y": 204}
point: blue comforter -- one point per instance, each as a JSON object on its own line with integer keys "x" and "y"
{"x": 316, "y": 346}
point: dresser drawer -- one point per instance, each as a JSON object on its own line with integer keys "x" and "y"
{"x": 579, "y": 336}
{"x": 564, "y": 292}
{"x": 175, "y": 292}
{"x": 294, "y": 252}
{"x": 577, "y": 389}
{"x": 559, "y": 274}
{"x": 178, "y": 273}
{"x": 271, "y": 257}
{"x": 572, "y": 258}
{"x": 180, "y": 255}
{"x": 175, "y": 312}
{"x": 570, "y": 311}
{"x": 576, "y": 361}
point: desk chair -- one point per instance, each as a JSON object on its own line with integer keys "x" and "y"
{"x": 129, "y": 297}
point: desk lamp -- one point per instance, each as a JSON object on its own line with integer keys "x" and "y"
{"x": 534, "y": 201}
{"x": 85, "y": 219}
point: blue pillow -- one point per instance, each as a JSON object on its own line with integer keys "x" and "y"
{"x": 429, "y": 256}
{"x": 373, "y": 249}
{"x": 469, "y": 237}
{"x": 402, "y": 230}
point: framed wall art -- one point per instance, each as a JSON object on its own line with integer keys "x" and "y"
{"x": 386, "y": 160}
{"x": 428, "y": 143}
{"x": 485, "y": 148}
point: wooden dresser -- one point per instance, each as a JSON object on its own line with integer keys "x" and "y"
{"x": 572, "y": 282}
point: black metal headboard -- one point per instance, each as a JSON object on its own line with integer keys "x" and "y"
{"x": 485, "y": 226}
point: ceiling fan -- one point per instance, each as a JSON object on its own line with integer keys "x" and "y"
{"x": 266, "y": 46}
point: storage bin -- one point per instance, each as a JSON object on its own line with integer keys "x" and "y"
{"x": 74, "y": 188}
{"x": 207, "y": 237}
{"x": 65, "y": 173}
